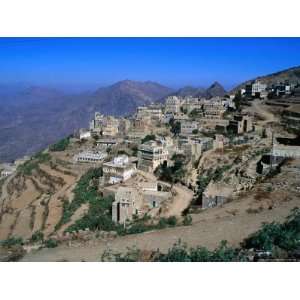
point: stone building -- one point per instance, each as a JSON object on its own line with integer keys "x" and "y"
{"x": 103, "y": 143}
{"x": 90, "y": 156}
{"x": 254, "y": 89}
{"x": 151, "y": 154}
{"x": 104, "y": 125}
{"x": 173, "y": 105}
{"x": 189, "y": 127}
{"x": 118, "y": 170}
{"x": 290, "y": 149}
{"x": 213, "y": 108}
{"x": 111, "y": 126}
{"x": 124, "y": 126}
{"x": 7, "y": 169}
{"x": 128, "y": 202}
{"x": 220, "y": 141}
{"x": 291, "y": 117}
{"x": 137, "y": 200}
{"x": 240, "y": 124}
{"x": 153, "y": 111}
{"x": 84, "y": 134}
{"x": 216, "y": 194}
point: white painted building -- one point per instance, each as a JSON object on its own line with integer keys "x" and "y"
{"x": 118, "y": 170}
{"x": 90, "y": 156}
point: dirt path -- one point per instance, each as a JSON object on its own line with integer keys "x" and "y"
{"x": 180, "y": 202}
{"x": 260, "y": 109}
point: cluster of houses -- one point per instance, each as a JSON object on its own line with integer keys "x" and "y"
{"x": 258, "y": 89}
{"x": 121, "y": 172}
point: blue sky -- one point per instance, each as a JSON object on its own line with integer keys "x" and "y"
{"x": 176, "y": 62}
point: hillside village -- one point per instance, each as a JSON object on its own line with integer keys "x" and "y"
{"x": 185, "y": 161}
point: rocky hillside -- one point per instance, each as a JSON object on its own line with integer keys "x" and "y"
{"x": 292, "y": 75}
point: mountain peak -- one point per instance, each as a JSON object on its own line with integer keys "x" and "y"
{"x": 216, "y": 89}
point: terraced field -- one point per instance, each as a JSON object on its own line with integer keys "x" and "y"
{"x": 32, "y": 202}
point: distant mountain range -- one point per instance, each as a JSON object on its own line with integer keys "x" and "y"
{"x": 35, "y": 117}
{"x": 216, "y": 89}
{"x": 291, "y": 74}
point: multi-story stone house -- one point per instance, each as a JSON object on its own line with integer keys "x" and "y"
{"x": 173, "y": 105}
{"x": 188, "y": 127}
{"x": 151, "y": 154}
{"x": 240, "y": 124}
{"x": 118, "y": 170}
{"x": 104, "y": 125}
{"x": 152, "y": 111}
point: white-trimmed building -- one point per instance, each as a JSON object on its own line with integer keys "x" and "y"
{"x": 90, "y": 156}
{"x": 118, "y": 170}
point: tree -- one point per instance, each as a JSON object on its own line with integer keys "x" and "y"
{"x": 148, "y": 137}
{"x": 238, "y": 99}
{"x": 175, "y": 127}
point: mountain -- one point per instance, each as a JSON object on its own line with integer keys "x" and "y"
{"x": 125, "y": 96}
{"x": 291, "y": 74}
{"x": 190, "y": 91}
{"x": 216, "y": 89}
{"x": 35, "y": 117}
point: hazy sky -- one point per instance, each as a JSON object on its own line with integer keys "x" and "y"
{"x": 91, "y": 62}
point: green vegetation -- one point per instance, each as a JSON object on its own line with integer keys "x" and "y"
{"x": 183, "y": 110}
{"x": 286, "y": 236}
{"x": 277, "y": 240}
{"x": 98, "y": 216}
{"x": 204, "y": 180}
{"x": 51, "y": 243}
{"x": 195, "y": 113}
{"x": 33, "y": 163}
{"x": 175, "y": 126}
{"x": 179, "y": 253}
{"x": 173, "y": 173}
{"x": 84, "y": 192}
{"x": 38, "y": 236}
{"x": 12, "y": 241}
{"x": 195, "y": 131}
{"x": 60, "y": 145}
{"x": 238, "y": 100}
{"x": 149, "y": 137}
{"x": 187, "y": 220}
{"x": 144, "y": 224}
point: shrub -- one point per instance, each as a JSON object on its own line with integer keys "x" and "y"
{"x": 149, "y": 137}
{"x": 84, "y": 192}
{"x": 33, "y": 163}
{"x": 12, "y": 241}
{"x": 37, "y": 237}
{"x": 284, "y": 236}
{"x": 60, "y": 145}
{"x": 187, "y": 220}
{"x": 172, "y": 221}
{"x": 179, "y": 252}
{"x": 51, "y": 243}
